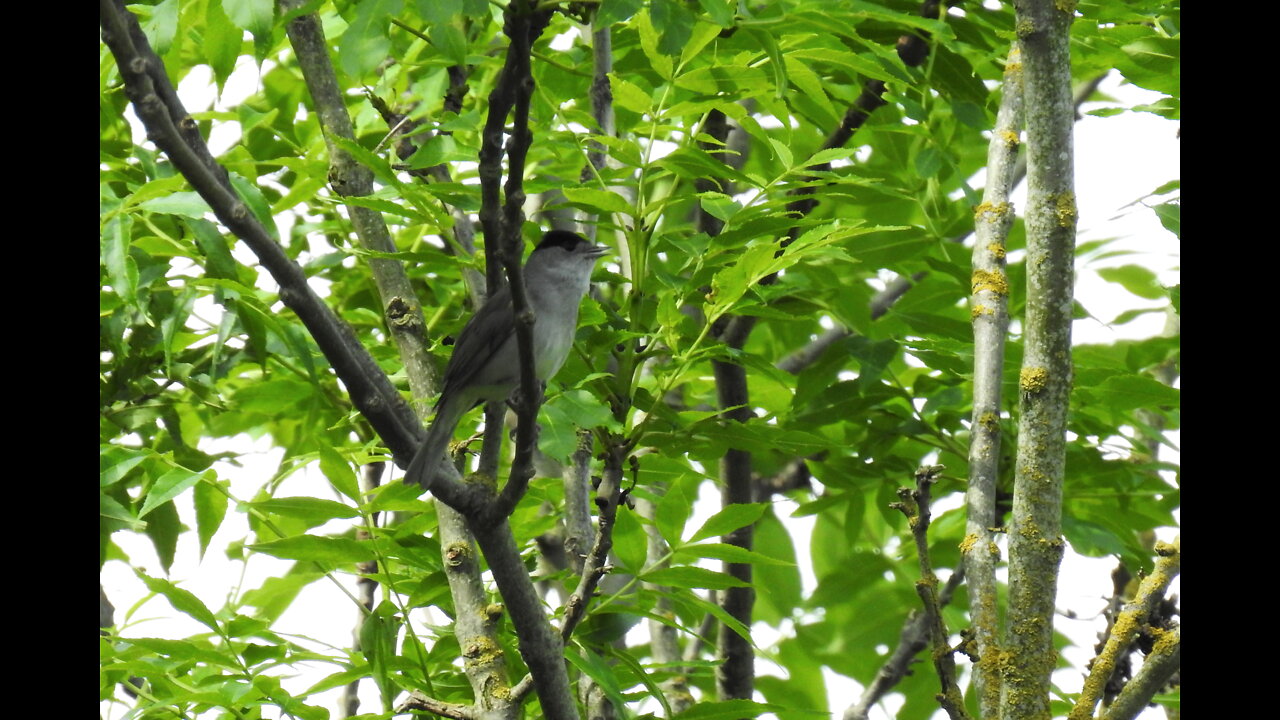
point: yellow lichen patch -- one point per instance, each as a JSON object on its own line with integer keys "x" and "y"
{"x": 978, "y": 311}
{"x": 1165, "y": 641}
{"x": 995, "y": 211}
{"x": 1065, "y": 209}
{"x": 968, "y": 543}
{"x": 990, "y": 421}
{"x": 992, "y": 281}
{"x": 1010, "y": 137}
{"x": 1066, "y": 6}
{"x": 481, "y": 651}
{"x": 1033, "y": 379}
{"x": 996, "y": 250}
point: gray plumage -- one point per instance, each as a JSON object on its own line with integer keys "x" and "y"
{"x": 485, "y": 365}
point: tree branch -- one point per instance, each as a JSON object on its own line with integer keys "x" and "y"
{"x": 540, "y": 646}
{"x": 914, "y": 504}
{"x": 1161, "y": 664}
{"x": 988, "y": 305}
{"x": 175, "y": 133}
{"x": 1035, "y": 534}
{"x": 1127, "y": 626}
{"x": 913, "y": 638}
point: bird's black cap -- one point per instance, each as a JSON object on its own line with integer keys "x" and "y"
{"x": 562, "y": 239}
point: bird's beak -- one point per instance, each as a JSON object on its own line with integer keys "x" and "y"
{"x": 598, "y": 251}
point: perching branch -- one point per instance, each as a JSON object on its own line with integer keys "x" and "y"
{"x": 503, "y": 221}
{"x": 1035, "y": 531}
{"x": 540, "y": 646}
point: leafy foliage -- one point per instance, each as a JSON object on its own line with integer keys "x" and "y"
{"x": 196, "y": 346}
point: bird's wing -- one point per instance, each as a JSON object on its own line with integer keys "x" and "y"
{"x": 483, "y": 335}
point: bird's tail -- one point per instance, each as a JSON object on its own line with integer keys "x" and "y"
{"x": 422, "y": 468}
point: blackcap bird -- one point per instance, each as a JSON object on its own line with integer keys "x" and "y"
{"x": 485, "y": 365}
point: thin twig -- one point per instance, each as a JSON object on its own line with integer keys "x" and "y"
{"x": 914, "y": 504}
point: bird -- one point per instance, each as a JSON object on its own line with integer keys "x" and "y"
{"x": 485, "y": 365}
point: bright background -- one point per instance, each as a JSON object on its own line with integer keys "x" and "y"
{"x": 1119, "y": 160}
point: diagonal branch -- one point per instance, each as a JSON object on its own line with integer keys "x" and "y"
{"x": 172, "y": 130}
{"x": 1126, "y": 628}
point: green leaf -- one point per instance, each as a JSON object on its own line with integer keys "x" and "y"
{"x": 676, "y": 505}
{"x": 121, "y": 269}
{"x": 114, "y": 462}
{"x": 169, "y": 486}
{"x": 1132, "y": 392}
{"x": 688, "y": 598}
{"x": 328, "y": 551}
{"x": 629, "y": 541}
{"x": 727, "y": 553}
{"x": 109, "y": 507}
{"x": 594, "y": 667}
{"x": 729, "y": 519}
{"x": 438, "y": 11}
{"x": 767, "y": 42}
{"x": 780, "y": 574}
{"x": 692, "y": 577}
{"x": 629, "y": 96}
{"x": 1136, "y": 279}
{"x": 649, "y": 44}
{"x": 257, "y": 203}
{"x": 339, "y": 473}
{"x": 719, "y": 11}
{"x": 256, "y": 16}
{"x": 163, "y": 26}
{"x": 1170, "y": 215}
{"x": 613, "y": 11}
{"x": 718, "y": 205}
{"x": 277, "y": 593}
{"x": 674, "y": 22}
{"x": 567, "y": 413}
{"x": 365, "y": 44}
{"x": 602, "y": 201}
{"x": 184, "y": 651}
{"x": 436, "y": 150}
{"x": 378, "y": 635}
{"x": 450, "y": 41}
{"x": 726, "y": 710}
{"x": 222, "y": 41}
{"x": 703, "y": 33}
{"x": 312, "y": 511}
{"x": 184, "y": 601}
{"x": 211, "y": 509}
